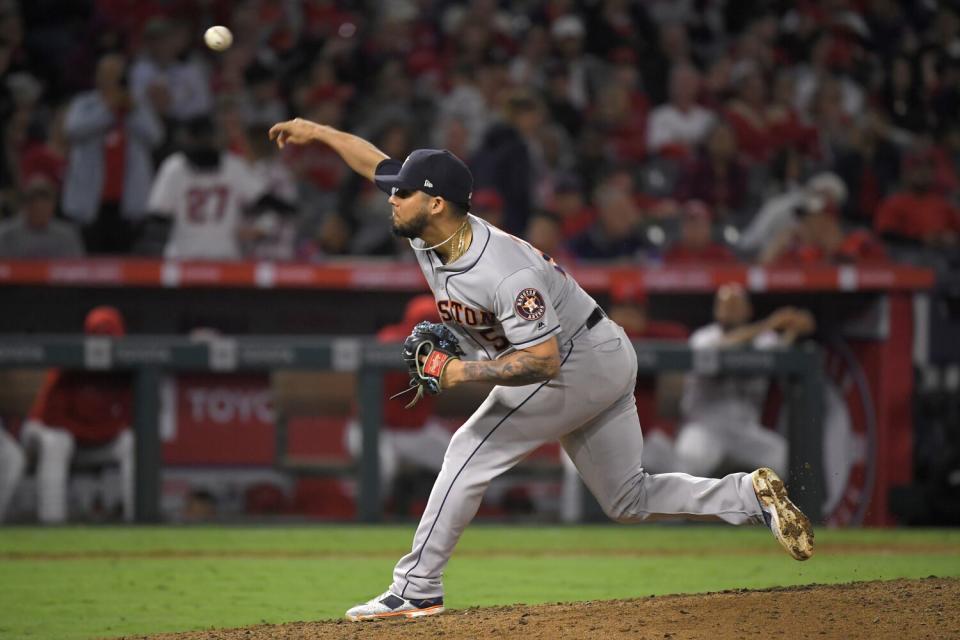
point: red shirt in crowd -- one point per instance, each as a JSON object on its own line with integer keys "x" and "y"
{"x": 858, "y": 247}
{"x": 114, "y": 156}
{"x": 93, "y": 406}
{"x": 755, "y": 136}
{"x": 916, "y": 215}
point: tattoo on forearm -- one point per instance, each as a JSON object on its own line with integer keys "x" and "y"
{"x": 516, "y": 369}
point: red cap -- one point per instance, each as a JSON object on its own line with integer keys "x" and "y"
{"x": 628, "y": 292}
{"x": 104, "y": 321}
{"x": 419, "y": 309}
{"x": 486, "y": 199}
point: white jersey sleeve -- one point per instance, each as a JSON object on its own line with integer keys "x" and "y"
{"x": 768, "y": 340}
{"x": 165, "y": 192}
{"x": 708, "y": 337}
{"x": 524, "y": 309}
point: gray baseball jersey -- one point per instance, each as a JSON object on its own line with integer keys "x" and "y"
{"x": 503, "y": 295}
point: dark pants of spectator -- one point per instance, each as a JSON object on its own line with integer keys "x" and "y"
{"x": 110, "y": 232}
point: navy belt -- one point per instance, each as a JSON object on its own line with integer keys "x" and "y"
{"x": 595, "y": 317}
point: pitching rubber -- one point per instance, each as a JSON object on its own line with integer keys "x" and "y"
{"x": 415, "y": 613}
{"x": 790, "y": 526}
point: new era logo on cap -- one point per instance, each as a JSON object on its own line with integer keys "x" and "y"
{"x": 434, "y": 171}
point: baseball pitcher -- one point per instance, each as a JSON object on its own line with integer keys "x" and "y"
{"x": 563, "y": 371}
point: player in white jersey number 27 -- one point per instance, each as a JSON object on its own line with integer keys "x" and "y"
{"x": 563, "y": 371}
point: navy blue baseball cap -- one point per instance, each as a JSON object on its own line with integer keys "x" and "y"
{"x": 434, "y": 171}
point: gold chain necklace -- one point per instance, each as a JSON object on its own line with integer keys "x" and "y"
{"x": 461, "y": 249}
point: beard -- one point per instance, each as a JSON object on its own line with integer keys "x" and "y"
{"x": 413, "y": 227}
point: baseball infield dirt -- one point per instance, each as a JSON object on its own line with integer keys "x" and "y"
{"x": 899, "y": 609}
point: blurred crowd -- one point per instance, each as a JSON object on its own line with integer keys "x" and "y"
{"x": 651, "y": 131}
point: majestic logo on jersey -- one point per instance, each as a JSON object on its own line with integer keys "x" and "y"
{"x": 529, "y": 304}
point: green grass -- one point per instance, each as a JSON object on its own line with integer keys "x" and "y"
{"x": 323, "y": 570}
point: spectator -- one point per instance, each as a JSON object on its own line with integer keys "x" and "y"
{"x": 82, "y": 417}
{"x": 180, "y": 81}
{"x": 557, "y": 98}
{"x": 202, "y": 195}
{"x": 363, "y": 204}
{"x": 262, "y": 104}
{"x": 717, "y": 177}
{"x": 615, "y": 236}
{"x": 677, "y": 127}
{"x": 568, "y": 205}
{"x": 870, "y": 168}
{"x": 465, "y": 103}
{"x": 946, "y": 100}
{"x": 779, "y": 213}
{"x": 788, "y": 131}
{"x": 584, "y": 70}
{"x": 622, "y": 117}
{"x": 721, "y": 413}
{"x": 918, "y": 214}
{"x": 748, "y": 115}
{"x": 12, "y": 465}
{"x": 44, "y": 149}
{"x": 819, "y": 239}
{"x": 817, "y": 70}
{"x": 408, "y": 437}
{"x": 657, "y": 66}
{"x": 35, "y": 233}
{"x": 276, "y": 220}
{"x": 902, "y": 97}
{"x": 506, "y": 159}
{"x": 321, "y": 85}
{"x": 833, "y": 124}
{"x": 545, "y": 232}
{"x": 695, "y": 244}
{"x": 109, "y": 164}
{"x": 527, "y": 69}
{"x": 7, "y": 108}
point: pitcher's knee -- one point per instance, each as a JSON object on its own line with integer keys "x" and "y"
{"x": 629, "y": 503}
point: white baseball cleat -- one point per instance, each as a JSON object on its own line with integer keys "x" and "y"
{"x": 390, "y": 605}
{"x": 789, "y": 525}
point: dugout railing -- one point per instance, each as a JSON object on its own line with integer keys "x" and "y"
{"x": 149, "y": 357}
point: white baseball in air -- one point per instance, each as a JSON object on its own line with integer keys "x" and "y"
{"x": 218, "y": 38}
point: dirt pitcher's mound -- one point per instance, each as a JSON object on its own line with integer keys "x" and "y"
{"x": 898, "y": 609}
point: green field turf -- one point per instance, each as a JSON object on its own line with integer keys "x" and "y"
{"x": 103, "y": 582}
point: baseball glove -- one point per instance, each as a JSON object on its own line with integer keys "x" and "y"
{"x": 427, "y": 351}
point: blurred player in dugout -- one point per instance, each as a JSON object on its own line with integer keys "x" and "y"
{"x": 721, "y": 413}
{"x": 79, "y": 418}
{"x": 409, "y": 438}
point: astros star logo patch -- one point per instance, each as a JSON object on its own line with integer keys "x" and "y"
{"x": 529, "y": 304}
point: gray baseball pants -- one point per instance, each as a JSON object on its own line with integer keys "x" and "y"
{"x": 589, "y": 407}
